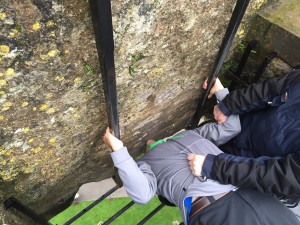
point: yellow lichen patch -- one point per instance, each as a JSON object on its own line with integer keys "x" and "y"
{"x": 2, "y": 92}
{"x": 156, "y": 72}
{"x": 241, "y": 32}
{"x": 67, "y": 51}
{"x": 49, "y": 95}
{"x": 43, "y": 107}
{"x": 2, "y": 83}
{"x": 9, "y": 72}
{"x": 7, "y": 104}
{"x": 59, "y": 78}
{"x": 30, "y": 140}
{"x": 53, "y": 53}
{"x": 28, "y": 63}
{"x": 29, "y": 169}
{"x": 24, "y": 104}
{"x": 36, "y": 150}
{"x": 43, "y": 57}
{"x": 77, "y": 80}
{"x": 1, "y": 74}
{"x": 25, "y": 130}
{"x": 36, "y": 26}
{"x": 76, "y": 116}
{"x": 51, "y": 110}
{"x": 52, "y": 34}
{"x": 1, "y": 118}
{"x": 3, "y": 162}
{"x": 256, "y": 5}
{"x": 4, "y": 50}
{"x": 34, "y": 109}
{"x": 50, "y": 23}
{"x": 14, "y": 33}
{"x": 52, "y": 140}
{"x": 2, "y": 15}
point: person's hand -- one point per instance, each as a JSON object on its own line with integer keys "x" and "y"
{"x": 111, "y": 141}
{"x": 196, "y": 163}
{"x": 219, "y": 115}
{"x": 217, "y": 87}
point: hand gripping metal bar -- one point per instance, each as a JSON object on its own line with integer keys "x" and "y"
{"x": 235, "y": 20}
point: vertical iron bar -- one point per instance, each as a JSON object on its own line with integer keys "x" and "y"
{"x": 235, "y": 20}
{"x": 243, "y": 61}
{"x": 102, "y": 20}
{"x": 264, "y": 65}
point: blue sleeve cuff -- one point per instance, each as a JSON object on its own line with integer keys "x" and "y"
{"x": 207, "y": 165}
{"x": 120, "y": 156}
{"x": 224, "y": 109}
{"x": 220, "y": 95}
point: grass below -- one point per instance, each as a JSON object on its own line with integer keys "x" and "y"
{"x": 108, "y": 207}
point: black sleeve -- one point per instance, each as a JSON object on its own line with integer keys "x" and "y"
{"x": 279, "y": 175}
{"x": 258, "y": 96}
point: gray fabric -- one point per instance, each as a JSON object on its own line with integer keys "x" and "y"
{"x": 165, "y": 169}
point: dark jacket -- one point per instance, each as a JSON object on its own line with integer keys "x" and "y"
{"x": 269, "y": 143}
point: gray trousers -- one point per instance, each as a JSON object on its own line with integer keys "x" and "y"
{"x": 245, "y": 207}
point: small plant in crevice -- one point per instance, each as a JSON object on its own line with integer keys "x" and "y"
{"x": 134, "y": 59}
{"x": 91, "y": 81}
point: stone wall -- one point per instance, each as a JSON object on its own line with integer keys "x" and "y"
{"x": 52, "y": 105}
{"x": 276, "y": 28}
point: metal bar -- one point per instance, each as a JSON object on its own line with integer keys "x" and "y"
{"x": 236, "y": 79}
{"x": 151, "y": 214}
{"x": 264, "y": 65}
{"x": 235, "y": 20}
{"x": 14, "y": 203}
{"x": 243, "y": 62}
{"x": 120, "y": 212}
{"x": 102, "y": 21}
{"x": 91, "y": 205}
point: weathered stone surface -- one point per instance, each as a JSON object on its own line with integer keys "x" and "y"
{"x": 52, "y": 106}
{"x": 277, "y": 28}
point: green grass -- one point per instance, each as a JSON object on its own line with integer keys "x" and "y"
{"x": 109, "y": 207}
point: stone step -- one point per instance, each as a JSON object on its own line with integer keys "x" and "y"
{"x": 277, "y": 28}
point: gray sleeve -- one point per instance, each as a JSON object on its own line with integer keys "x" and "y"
{"x": 221, "y": 133}
{"x": 138, "y": 179}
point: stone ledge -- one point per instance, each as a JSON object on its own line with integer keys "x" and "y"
{"x": 278, "y": 28}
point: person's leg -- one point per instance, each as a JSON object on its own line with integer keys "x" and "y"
{"x": 245, "y": 207}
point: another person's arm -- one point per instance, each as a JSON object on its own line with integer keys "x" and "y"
{"x": 266, "y": 174}
{"x": 226, "y": 127}
{"x": 271, "y": 92}
{"x": 279, "y": 175}
{"x": 138, "y": 179}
